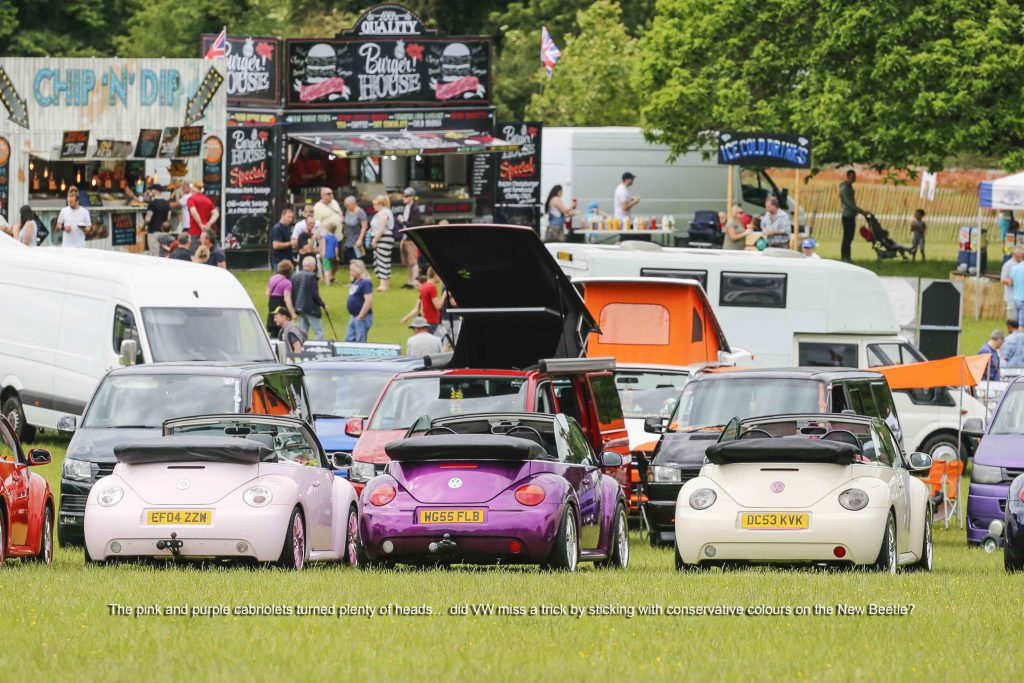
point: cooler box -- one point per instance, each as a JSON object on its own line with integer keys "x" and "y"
{"x": 969, "y": 258}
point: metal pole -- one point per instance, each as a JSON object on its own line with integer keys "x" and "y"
{"x": 977, "y": 270}
{"x": 796, "y": 210}
{"x": 729, "y": 192}
{"x": 960, "y": 438}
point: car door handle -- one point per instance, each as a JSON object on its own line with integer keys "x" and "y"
{"x": 316, "y": 484}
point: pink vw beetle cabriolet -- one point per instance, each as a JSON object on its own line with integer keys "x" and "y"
{"x": 224, "y": 487}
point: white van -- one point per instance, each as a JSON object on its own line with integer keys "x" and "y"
{"x": 67, "y": 313}
{"x": 789, "y": 310}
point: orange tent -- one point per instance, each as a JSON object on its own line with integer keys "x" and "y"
{"x": 651, "y": 320}
{"x": 955, "y": 371}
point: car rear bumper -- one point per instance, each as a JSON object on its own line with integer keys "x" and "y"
{"x": 985, "y": 503}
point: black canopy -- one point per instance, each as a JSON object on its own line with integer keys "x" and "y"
{"x": 516, "y": 304}
{"x": 782, "y": 449}
{"x": 464, "y": 447}
{"x": 194, "y": 449}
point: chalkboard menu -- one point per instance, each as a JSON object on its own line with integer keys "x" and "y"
{"x": 481, "y": 178}
{"x": 112, "y": 149}
{"x": 123, "y": 229}
{"x": 148, "y": 143}
{"x": 5, "y": 180}
{"x": 517, "y": 182}
{"x": 248, "y": 189}
{"x": 168, "y": 143}
{"x": 74, "y": 144}
{"x": 254, "y": 68}
{"x": 213, "y": 176}
{"x": 190, "y": 141}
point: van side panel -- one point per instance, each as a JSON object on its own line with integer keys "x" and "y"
{"x": 84, "y": 352}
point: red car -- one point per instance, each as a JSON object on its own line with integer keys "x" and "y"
{"x": 523, "y": 328}
{"x": 26, "y": 502}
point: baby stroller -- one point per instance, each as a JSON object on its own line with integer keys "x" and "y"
{"x": 705, "y": 229}
{"x": 879, "y": 239}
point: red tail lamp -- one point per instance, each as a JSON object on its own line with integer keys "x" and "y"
{"x": 383, "y": 494}
{"x": 515, "y": 547}
{"x": 839, "y": 551}
{"x": 530, "y": 494}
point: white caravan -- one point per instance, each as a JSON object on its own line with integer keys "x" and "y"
{"x": 790, "y": 310}
{"x": 67, "y": 314}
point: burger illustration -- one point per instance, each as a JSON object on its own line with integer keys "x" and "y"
{"x": 456, "y": 63}
{"x": 321, "y": 63}
{"x": 322, "y": 81}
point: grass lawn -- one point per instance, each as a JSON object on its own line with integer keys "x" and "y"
{"x": 58, "y": 626}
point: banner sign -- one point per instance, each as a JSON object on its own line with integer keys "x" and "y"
{"x": 518, "y": 172}
{"x": 190, "y": 141}
{"x": 249, "y": 184}
{"x": 213, "y": 177}
{"x": 254, "y": 68}
{"x": 764, "y": 149}
{"x": 123, "y": 228}
{"x": 148, "y": 143}
{"x": 74, "y": 144}
{"x": 113, "y": 149}
{"x": 17, "y": 108}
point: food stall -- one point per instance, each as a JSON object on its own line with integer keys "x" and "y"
{"x": 111, "y": 128}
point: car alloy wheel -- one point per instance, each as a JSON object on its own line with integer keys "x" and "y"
{"x": 298, "y": 541}
{"x": 622, "y": 539}
{"x": 887, "y": 558}
{"x": 929, "y": 543}
{"x": 352, "y": 538}
{"x": 571, "y": 544}
{"x": 46, "y": 543}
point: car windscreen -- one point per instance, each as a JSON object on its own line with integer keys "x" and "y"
{"x": 344, "y": 393}
{"x": 646, "y": 393}
{"x": 223, "y": 334}
{"x": 288, "y": 441}
{"x": 409, "y": 398}
{"x": 147, "y": 400}
{"x": 716, "y": 401}
{"x": 1010, "y": 418}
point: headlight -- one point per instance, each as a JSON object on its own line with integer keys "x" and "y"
{"x": 701, "y": 499}
{"x": 985, "y": 474}
{"x": 853, "y": 499}
{"x": 110, "y": 495}
{"x": 662, "y": 475}
{"x": 258, "y": 496}
{"x": 78, "y": 470}
{"x": 362, "y": 471}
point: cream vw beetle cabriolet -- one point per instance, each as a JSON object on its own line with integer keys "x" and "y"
{"x": 806, "y": 489}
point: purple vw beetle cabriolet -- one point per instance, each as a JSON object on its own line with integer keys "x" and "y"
{"x": 495, "y": 488}
{"x": 998, "y": 460}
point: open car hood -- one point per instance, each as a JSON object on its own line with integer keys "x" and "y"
{"x": 516, "y": 304}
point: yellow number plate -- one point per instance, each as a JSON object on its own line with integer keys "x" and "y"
{"x": 451, "y": 516}
{"x": 775, "y": 520}
{"x": 182, "y": 517}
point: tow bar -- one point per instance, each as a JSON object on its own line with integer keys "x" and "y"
{"x": 445, "y": 545}
{"x": 174, "y": 545}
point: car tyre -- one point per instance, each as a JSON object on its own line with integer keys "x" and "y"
{"x": 565, "y": 554}
{"x": 686, "y": 566}
{"x": 618, "y": 556}
{"x": 939, "y": 443}
{"x": 45, "y": 554}
{"x": 887, "y": 556}
{"x": 352, "y": 544}
{"x": 363, "y": 560}
{"x": 928, "y": 546}
{"x": 15, "y": 414}
{"x": 293, "y": 554}
{"x": 88, "y": 557}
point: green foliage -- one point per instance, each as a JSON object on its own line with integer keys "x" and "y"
{"x": 593, "y": 83}
{"x": 82, "y": 28}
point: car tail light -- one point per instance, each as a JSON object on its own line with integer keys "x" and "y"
{"x": 839, "y": 551}
{"x": 515, "y": 546}
{"x": 1021, "y": 495}
{"x": 354, "y": 426}
{"x": 383, "y": 494}
{"x": 530, "y": 494}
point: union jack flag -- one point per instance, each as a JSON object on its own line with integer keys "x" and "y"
{"x": 219, "y": 46}
{"x": 549, "y": 52}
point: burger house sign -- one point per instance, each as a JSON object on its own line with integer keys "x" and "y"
{"x": 388, "y": 58}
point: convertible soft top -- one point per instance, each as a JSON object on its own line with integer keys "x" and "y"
{"x": 194, "y": 449}
{"x": 782, "y": 449}
{"x": 464, "y": 447}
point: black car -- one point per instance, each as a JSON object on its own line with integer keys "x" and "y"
{"x": 132, "y": 403}
{"x": 1013, "y": 545}
{"x": 712, "y": 398}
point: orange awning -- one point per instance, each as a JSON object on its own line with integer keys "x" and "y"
{"x": 947, "y": 372}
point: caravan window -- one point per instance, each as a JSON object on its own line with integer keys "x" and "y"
{"x": 893, "y": 354}
{"x": 700, "y": 276}
{"x": 753, "y": 290}
{"x": 827, "y": 354}
{"x": 641, "y": 324}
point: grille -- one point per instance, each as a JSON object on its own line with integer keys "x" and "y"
{"x": 1013, "y": 472}
{"x": 1002, "y": 505}
{"x": 104, "y": 468}
{"x": 72, "y": 503}
{"x": 380, "y": 468}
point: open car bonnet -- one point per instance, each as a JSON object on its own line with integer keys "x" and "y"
{"x": 516, "y": 304}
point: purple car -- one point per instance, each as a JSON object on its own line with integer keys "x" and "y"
{"x": 495, "y": 488}
{"x": 998, "y": 460}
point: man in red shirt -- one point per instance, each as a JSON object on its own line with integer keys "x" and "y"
{"x": 202, "y": 210}
{"x": 432, "y": 299}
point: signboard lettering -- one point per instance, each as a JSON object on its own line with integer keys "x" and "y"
{"x": 253, "y": 68}
{"x": 190, "y": 141}
{"x": 764, "y": 149}
{"x": 249, "y": 184}
{"x": 74, "y": 144}
{"x": 123, "y": 228}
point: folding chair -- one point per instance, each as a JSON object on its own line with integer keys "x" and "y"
{"x": 944, "y": 478}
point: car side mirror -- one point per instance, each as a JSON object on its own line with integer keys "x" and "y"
{"x": 341, "y": 460}
{"x": 610, "y": 459}
{"x": 39, "y": 456}
{"x": 973, "y": 426}
{"x": 920, "y": 462}
{"x": 129, "y": 352}
{"x": 354, "y": 427}
{"x": 655, "y": 424}
{"x": 67, "y": 423}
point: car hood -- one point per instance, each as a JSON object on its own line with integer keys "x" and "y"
{"x": 776, "y": 485}
{"x": 331, "y": 433}
{"x": 370, "y": 447}
{"x": 685, "y": 449}
{"x": 1001, "y": 450}
{"x": 191, "y": 484}
{"x": 444, "y": 483}
{"x": 516, "y": 304}
{"x": 97, "y": 444}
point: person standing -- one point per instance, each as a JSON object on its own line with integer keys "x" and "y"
{"x": 1005, "y": 225}
{"x": 281, "y": 239}
{"x": 329, "y": 254}
{"x": 422, "y": 342}
{"x": 203, "y": 214}
{"x": 359, "y": 303}
{"x": 287, "y": 331}
{"x": 279, "y": 294}
{"x": 624, "y": 199}
{"x": 306, "y": 298}
{"x": 775, "y": 224}
{"x": 355, "y": 225}
{"x": 849, "y": 213}
{"x": 918, "y": 228}
{"x": 217, "y": 256}
{"x": 186, "y": 217}
{"x": 382, "y": 226}
{"x": 183, "y": 250}
{"x": 327, "y": 210}
{"x": 1007, "y": 280}
{"x": 557, "y": 214}
{"x": 431, "y": 301}
{"x": 992, "y": 346}
{"x": 409, "y": 217}
{"x": 74, "y": 220}
{"x": 306, "y": 242}
{"x": 27, "y": 228}
{"x": 1013, "y": 348}
{"x": 735, "y": 231}
{"x": 158, "y": 211}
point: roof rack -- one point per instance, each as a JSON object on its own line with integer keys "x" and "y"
{"x": 573, "y": 365}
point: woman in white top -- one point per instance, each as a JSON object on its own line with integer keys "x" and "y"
{"x": 382, "y": 227}
{"x": 27, "y": 229}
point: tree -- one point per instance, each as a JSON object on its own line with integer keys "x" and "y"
{"x": 84, "y": 28}
{"x": 900, "y": 84}
{"x": 593, "y": 82}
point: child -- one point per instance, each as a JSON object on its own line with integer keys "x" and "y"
{"x": 329, "y": 253}
{"x": 918, "y": 229}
